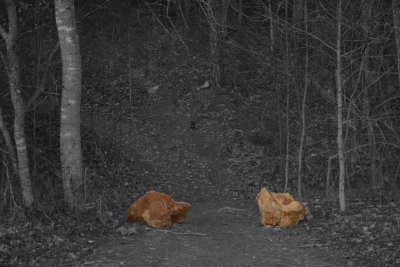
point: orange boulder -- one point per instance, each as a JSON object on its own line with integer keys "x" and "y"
{"x": 279, "y": 209}
{"x": 157, "y": 210}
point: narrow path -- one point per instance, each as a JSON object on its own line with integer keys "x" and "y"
{"x": 214, "y": 234}
{"x": 220, "y": 230}
{"x": 176, "y": 159}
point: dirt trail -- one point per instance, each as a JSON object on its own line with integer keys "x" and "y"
{"x": 220, "y": 230}
{"x": 214, "y": 234}
{"x": 175, "y": 158}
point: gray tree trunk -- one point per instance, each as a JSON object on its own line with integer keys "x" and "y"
{"x": 70, "y": 134}
{"x": 288, "y": 85}
{"x": 7, "y": 140}
{"x": 368, "y": 85}
{"x": 214, "y": 16}
{"x": 396, "y": 22}
{"x": 298, "y": 10}
{"x": 339, "y": 89}
{"x": 303, "y": 110}
{"x": 18, "y": 103}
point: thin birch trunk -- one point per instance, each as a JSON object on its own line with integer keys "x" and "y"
{"x": 278, "y": 93}
{"x": 18, "y": 103}
{"x": 396, "y": 22}
{"x": 7, "y": 140}
{"x": 287, "y": 102}
{"x": 368, "y": 84}
{"x": 70, "y": 136}
{"x": 303, "y": 112}
{"x": 240, "y": 13}
{"x": 339, "y": 88}
{"x": 214, "y": 16}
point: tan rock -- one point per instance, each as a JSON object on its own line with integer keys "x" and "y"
{"x": 157, "y": 210}
{"x": 279, "y": 209}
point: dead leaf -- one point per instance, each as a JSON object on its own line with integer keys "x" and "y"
{"x": 153, "y": 90}
{"x": 205, "y": 85}
{"x": 122, "y": 230}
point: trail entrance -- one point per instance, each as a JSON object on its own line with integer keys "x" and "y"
{"x": 185, "y": 161}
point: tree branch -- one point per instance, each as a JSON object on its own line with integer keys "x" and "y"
{"x": 12, "y": 21}
{"x": 7, "y": 139}
{"x": 41, "y": 88}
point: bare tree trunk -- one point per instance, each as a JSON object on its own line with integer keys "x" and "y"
{"x": 368, "y": 84}
{"x": 277, "y": 89}
{"x": 328, "y": 176}
{"x": 303, "y": 112}
{"x": 287, "y": 102}
{"x": 70, "y": 135}
{"x": 298, "y": 9}
{"x": 339, "y": 88}
{"x": 188, "y": 5}
{"x": 214, "y": 16}
{"x": 183, "y": 14}
{"x": 240, "y": 13}
{"x": 396, "y": 22}
{"x": 7, "y": 140}
{"x": 18, "y": 103}
{"x": 297, "y": 22}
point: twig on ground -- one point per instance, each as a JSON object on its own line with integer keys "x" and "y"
{"x": 312, "y": 245}
{"x": 179, "y": 233}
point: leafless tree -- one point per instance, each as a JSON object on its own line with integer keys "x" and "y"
{"x": 339, "y": 92}
{"x": 70, "y": 134}
{"x": 14, "y": 73}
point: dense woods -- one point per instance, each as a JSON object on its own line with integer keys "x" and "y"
{"x": 298, "y": 96}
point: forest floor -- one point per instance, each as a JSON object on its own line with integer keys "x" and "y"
{"x": 223, "y": 228}
{"x": 165, "y": 148}
{"x": 173, "y": 151}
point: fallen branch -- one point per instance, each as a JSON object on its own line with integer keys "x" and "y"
{"x": 177, "y": 233}
{"x": 312, "y": 245}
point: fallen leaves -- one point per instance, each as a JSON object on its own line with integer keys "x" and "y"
{"x": 368, "y": 232}
{"x": 55, "y": 244}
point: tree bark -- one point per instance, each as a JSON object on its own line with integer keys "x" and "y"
{"x": 368, "y": 84}
{"x": 240, "y": 13}
{"x": 396, "y": 22}
{"x": 287, "y": 82}
{"x": 298, "y": 10}
{"x": 339, "y": 88}
{"x": 268, "y": 12}
{"x": 214, "y": 16}
{"x": 18, "y": 103}
{"x": 7, "y": 140}
{"x": 70, "y": 136}
{"x": 303, "y": 112}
